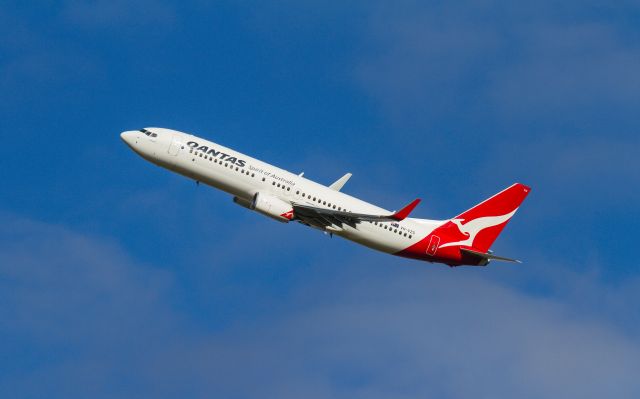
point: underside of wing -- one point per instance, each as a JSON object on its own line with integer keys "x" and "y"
{"x": 323, "y": 217}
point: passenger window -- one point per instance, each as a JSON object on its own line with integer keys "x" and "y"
{"x": 298, "y": 192}
{"x": 288, "y": 188}
{"x": 324, "y": 202}
{"x": 253, "y": 175}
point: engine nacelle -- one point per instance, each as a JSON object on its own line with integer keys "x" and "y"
{"x": 271, "y": 206}
{"x": 243, "y": 202}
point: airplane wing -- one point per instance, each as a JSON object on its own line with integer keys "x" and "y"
{"x": 323, "y": 217}
{"x": 338, "y": 184}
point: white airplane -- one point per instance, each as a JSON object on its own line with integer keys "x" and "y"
{"x": 285, "y": 197}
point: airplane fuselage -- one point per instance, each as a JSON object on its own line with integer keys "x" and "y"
{"x": 270, "y": 190}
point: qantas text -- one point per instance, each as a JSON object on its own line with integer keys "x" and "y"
{"x": 221, "y": 155}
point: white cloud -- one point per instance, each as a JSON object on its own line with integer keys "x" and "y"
{"x": 417, "y": 333}
{"x": 567, "y": 67}
{"x": 98, "y": 323}
{"x": 588, "y": 173}
{"x": 425, "y": 61}
{"x": 59, "y": 285}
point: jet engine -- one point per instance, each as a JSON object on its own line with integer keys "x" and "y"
{"x": 268, "y": 205}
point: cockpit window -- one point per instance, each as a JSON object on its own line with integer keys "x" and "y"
{"x": 148, "y": 133}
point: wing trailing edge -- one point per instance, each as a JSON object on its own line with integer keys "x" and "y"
{"x": 322, "y": 217}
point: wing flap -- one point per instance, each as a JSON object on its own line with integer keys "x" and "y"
{"x": 327, "y": 217}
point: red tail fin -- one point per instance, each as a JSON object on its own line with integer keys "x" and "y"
{"x": 481, "y": 225}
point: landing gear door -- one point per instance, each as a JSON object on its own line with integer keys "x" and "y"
{"x": 174, "y": 147}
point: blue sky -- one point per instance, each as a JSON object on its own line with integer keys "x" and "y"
{"x": 118, "y": 279}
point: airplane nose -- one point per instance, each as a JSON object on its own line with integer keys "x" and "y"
{"x": 128, "y": 137}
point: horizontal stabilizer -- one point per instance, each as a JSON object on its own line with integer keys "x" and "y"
{"x": 487, "y": 256}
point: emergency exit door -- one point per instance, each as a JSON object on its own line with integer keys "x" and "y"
{"x": 174, "y": 147}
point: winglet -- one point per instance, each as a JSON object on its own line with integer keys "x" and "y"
{"x": 338, "y": 184}
{"x": 404, "y": 212}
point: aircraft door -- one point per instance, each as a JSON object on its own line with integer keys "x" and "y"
{"x": 174, "y": 147}
{"x": 433, "y": 245}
